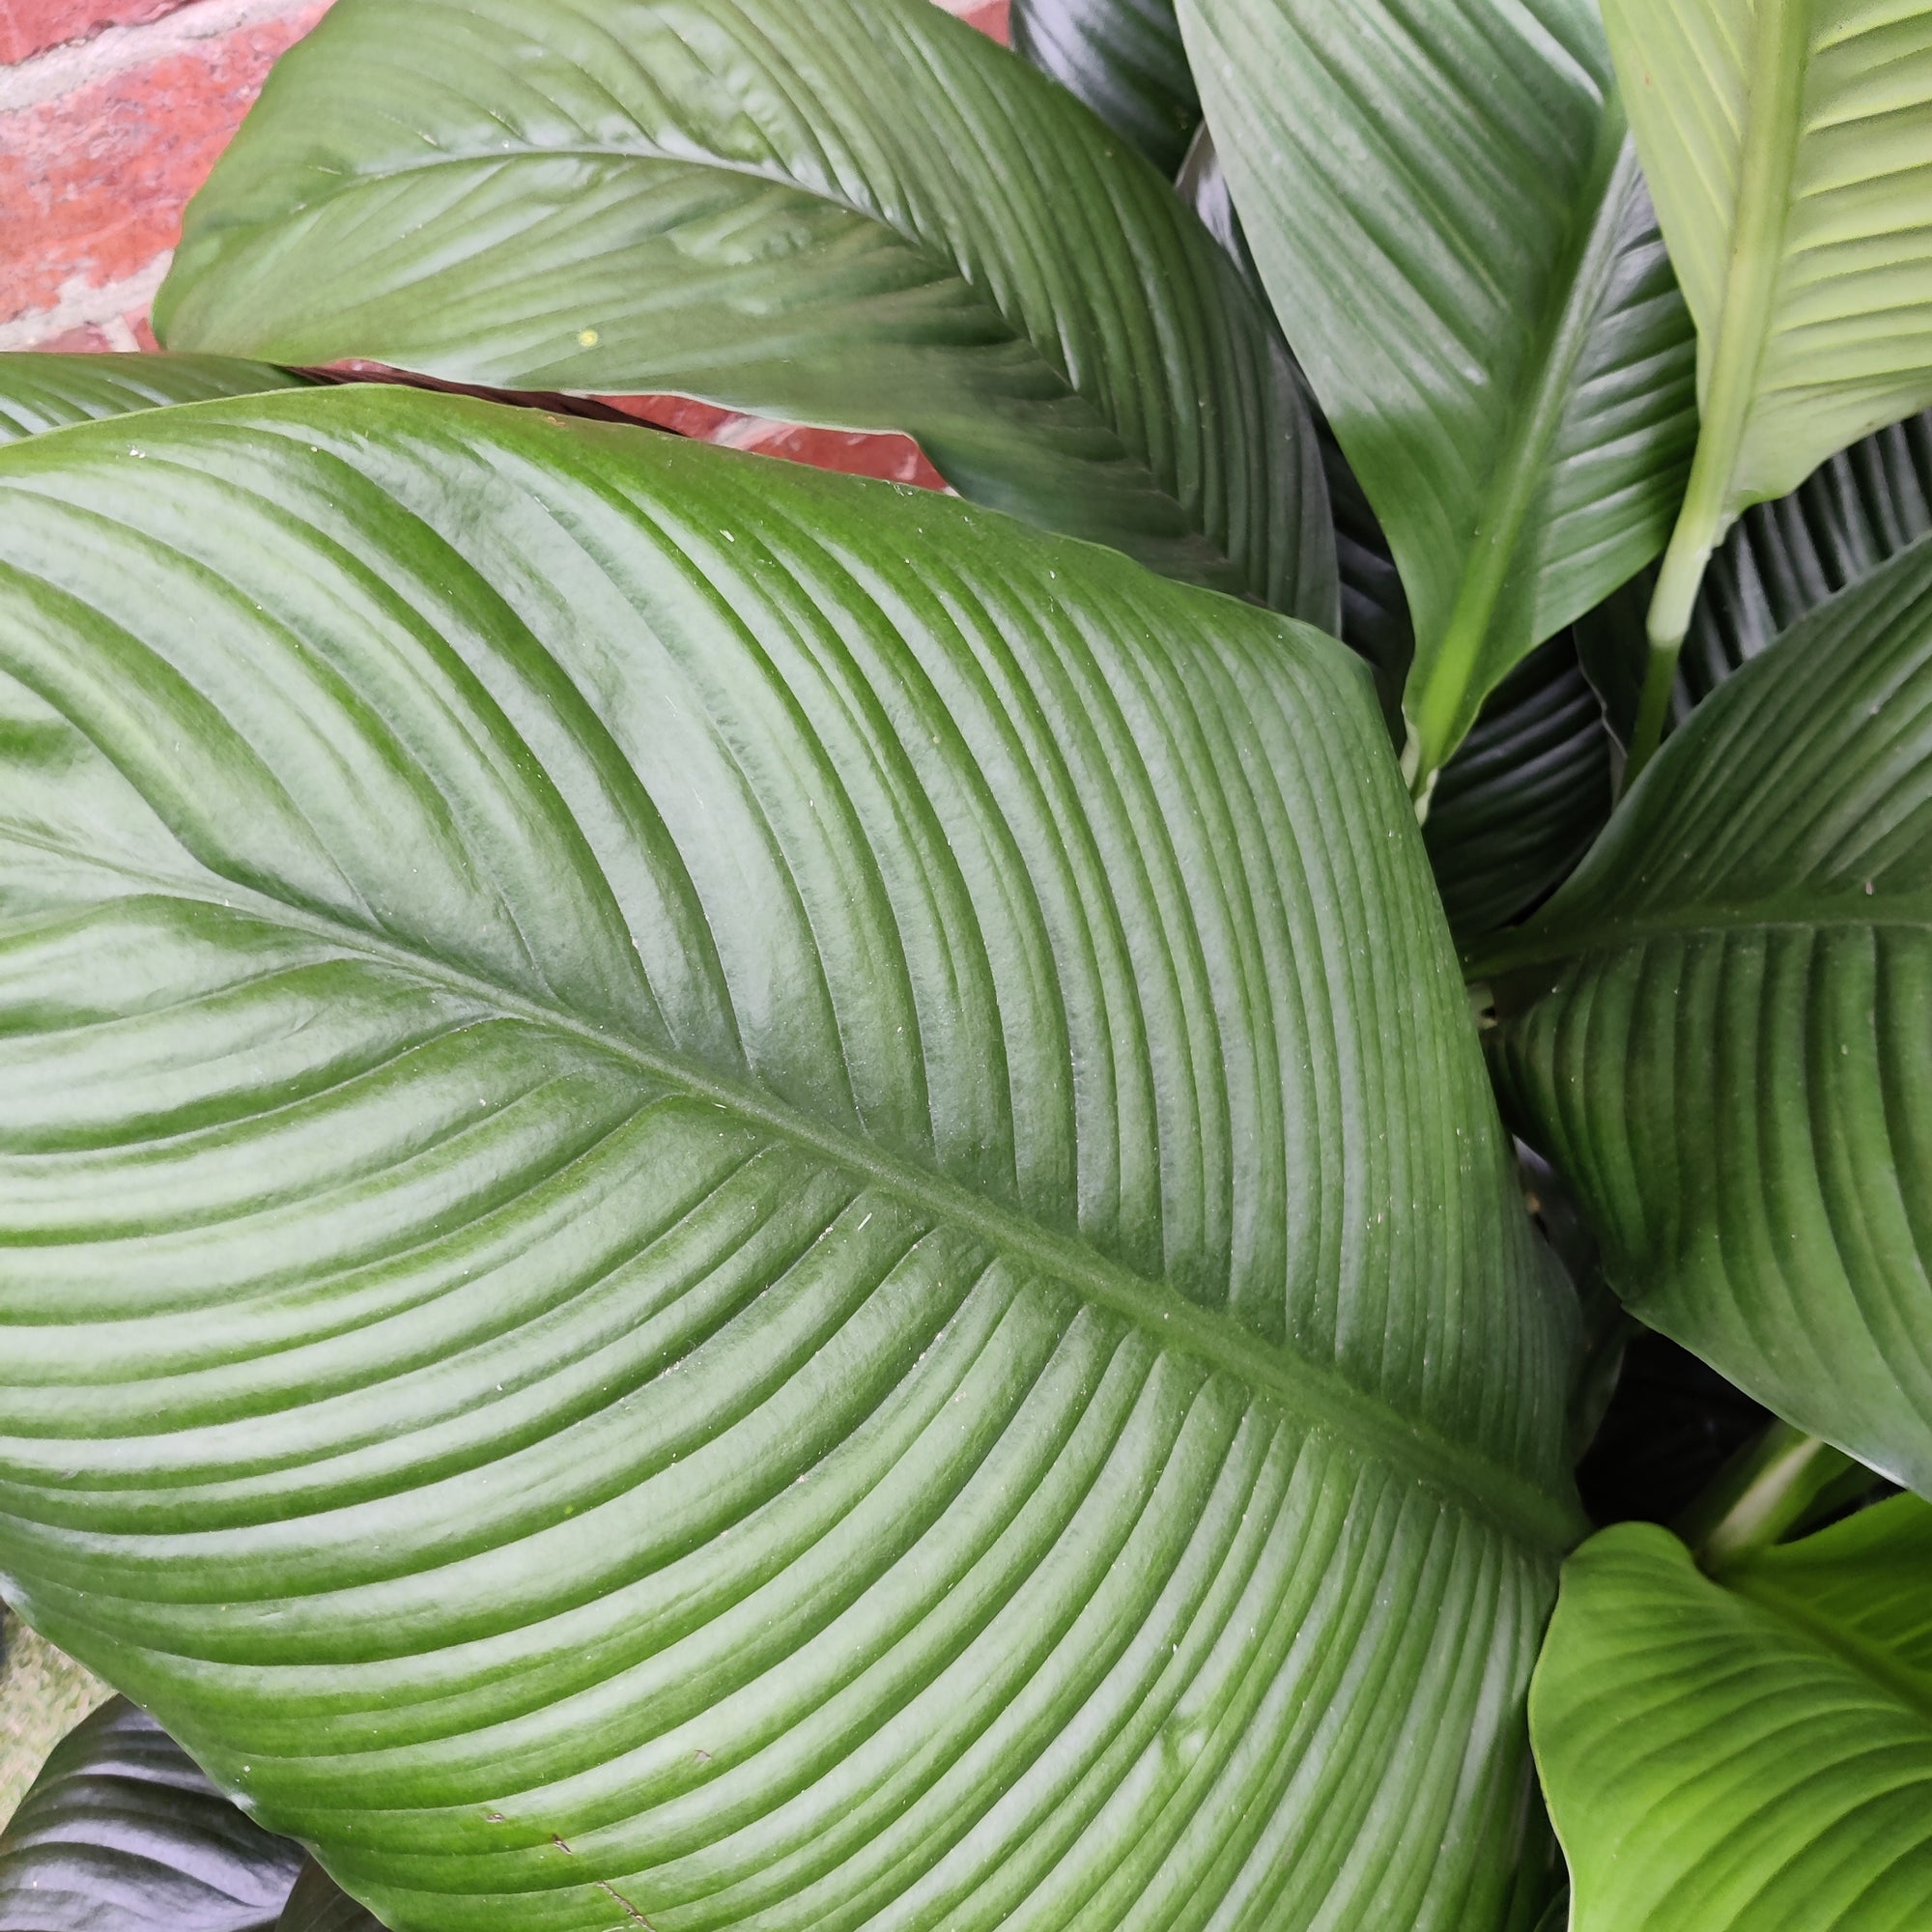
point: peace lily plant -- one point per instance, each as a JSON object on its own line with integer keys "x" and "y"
{"x": 734, "y": 1199}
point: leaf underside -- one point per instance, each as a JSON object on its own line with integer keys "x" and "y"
{"x": 742, "y": 1198}
{"x": 1748, "y": 1755}
{"x": 1785, "y": 143}
{"x": 1718, "y": 1029}
{"x": 39, "y": 391}
{"x": 1451, "y": 221}
{"x": 122, "y": 1832}
{"x": 318, "y": 1904}
{"x": 861, "y": 214}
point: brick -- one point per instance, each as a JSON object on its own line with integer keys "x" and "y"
{"x": 29, "y": 27}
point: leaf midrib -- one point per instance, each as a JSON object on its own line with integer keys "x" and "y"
{"x": 915, "y": 244}
{"x": 1520, "y": 953}
{"x": 1845, "y": 1646}
{"x": 1317, "y": 1397}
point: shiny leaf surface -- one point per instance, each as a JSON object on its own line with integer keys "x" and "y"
{"x": 1526, "y": 792}
{"x": 122, "y": 1832}
{"x": 1125, "y": 59}
{"x": 1454, "y": 228}
{"x": 1752, "y": 1754}
{"x": 729, "y": 1196}
{"x": 1717, "y": 1030}
{"x": 43, "y": 391}
{"x": 860, "y": 214}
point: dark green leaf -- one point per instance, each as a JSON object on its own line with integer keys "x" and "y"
{"x": 1780, "y": 562}
{"x": 743, "y": 1198}
{"x": 1746, "y": 1755}
{"x": 41, "y": 392}
{"x": 122, "y": 1832}
{"x": 858, "y": 213}
{"x": 1718, "y": 1029}
{"x": 1123, "y": 58}
{"x": 1452, "y": 224}
{"x": 1525, "y": 793}
{"x": 318, "y": 1904}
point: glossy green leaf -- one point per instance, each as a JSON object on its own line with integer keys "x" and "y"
{"x": 1454, "y": 228}
{"x": 858, "y": 212}
{"x": 1125, "y": 59}
{"x": 1786, "y": 144}
{"x": 1375, "y": 612}
{"x": 1526, "y": 792}
{"x": 122, "y": 1832}
{"x": 318, "y": 1904}
{"x": 1717, "y": 1029}
{"x": 43, "y": 391}
{"x": 746, "y": 1198}
{"x": 1752, "y": 1754}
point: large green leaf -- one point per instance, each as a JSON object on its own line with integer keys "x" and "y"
{"x": 122, "y": 1832}
{"x": 1752, "y": 1754}
{"x": 41, "y": 392}
{"x": 1786, "y": 144}
{"x": 1717, "y": 1029}
{"x": 1446, "y": 211}
{"x": 1125, "y": 59}
{"x": 858, "y": 212}
{"x": 745, "y": 1197}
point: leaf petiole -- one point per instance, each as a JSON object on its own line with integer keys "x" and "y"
{"x": 1768, "y": 1488}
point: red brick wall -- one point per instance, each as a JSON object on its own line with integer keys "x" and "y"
{"x": 111, "y": 114}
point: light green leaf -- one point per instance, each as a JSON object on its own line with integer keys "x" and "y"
{"x": 742, "y": 1197}
{"x": 1717, "y": 1029}
{"x": 858, "y": 212}
{"x": 1752, "y": 1754}
{"x": 122, "y": 1832}
{"x": 44, "y": 391}
{"x": 1786, "y": 142}
{"x": 1125, "y": 59}
{"x": 1454, "y": 232}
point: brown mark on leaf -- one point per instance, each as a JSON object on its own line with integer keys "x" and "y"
{"x": 559, "y": 1844}
{"x": 637, "y": 1916}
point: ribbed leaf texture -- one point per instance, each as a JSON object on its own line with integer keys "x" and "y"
{"x": 1786, "y": 143}
{"x": 122, "y": 1832}
{"x": 1717, "y": 1030}
{"x": 746, "y": 1199}
{"x": 1748, "y": 1755}
{"x": 318, "y": 1904}
{"x": 1375, "y": 612}
{"x": 1125, "y": 59}
{"x": 860, "y": 213}
{"x": 1526, "y": 792}
{"x": 41, "y": 392}
{"x": 1454, "y": 228}
{"x": 1785, "y": 559}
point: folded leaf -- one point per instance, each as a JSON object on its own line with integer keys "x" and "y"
{"x": 1748, "y": 1755}
{"x": 45, "y": 391}
{"x": 318, "y": 1904}
{"x": 122, "y": 1832}
{"x": 733, "y": 1197}
{"x": 860, "y": 214}
{"x": 1786, "y": 144}
{"x": 1525, "y": 793}
{"x": 1717, "y": 1029}
{"x": 1123, "y": 58}
{"x": 1446, "y": 211}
